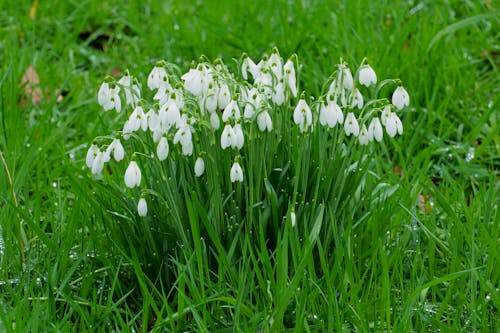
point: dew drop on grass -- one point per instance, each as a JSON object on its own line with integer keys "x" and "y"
{"x": 54, "y": 184}
{"x": 2, "y": 244}
{"x": 28, "y": 145}
{"x": 470, "y": 154}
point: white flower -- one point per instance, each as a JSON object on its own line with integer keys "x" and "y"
{"x": 264, "y": 122}
{"x": 236, "y": 173}
{"x": 357, "y": 99}
{"x": 132, "y": 175}
{"x": 118, "y": 151}
{"x": 162, "y": 149}
{"x": 248, "y": 66}
{"x": 367, "y": 75}
{"x": 142, "y": 207}
{"x": 347, "y": 81}
{"x": 278, "y": 96}
{"x": 152, "y": 119}
{"x": 215, "y": 121}
{"x": 400, "y": 98}
{"x": 276, "y": 64}
{"x": 376, "y": 129}
{"x": 328, "y": 114}
{"x": 253, "y": 102}
{"x": 108, "y": 97}
{"x": 199, "y": 167}
{"x": 91, "y": 155}
{"x": 209, "y": 99}
{"x": 183, "y": 135}
{"x": 399, "y": 124}
{"x": 131, "y": 89}
{"x": 351, "y": 125}
{"x": 171, "y": 116}
{"x": 157, "y": 78}
{"x": 289, "y": 74}
{"x": 187, "y": 148}
{"x": 391, "y": 126}
{"x": 193, "y": 82}
{"x": 138, "y": 119}
{"x": 386, "y": 113}
{"x": 228, "y": 137}
{"x": 232, "y": 111}
{"x": 239, "y": 138}
{"x": 363, "y": 136}
{"x": 292, "y": 218}
{"x": 224, "y": 96}
{"x": 302, "y": 115}
{"x": 98, "y": 163}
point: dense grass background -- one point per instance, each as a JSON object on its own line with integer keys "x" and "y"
{"x": 426, "y": 259}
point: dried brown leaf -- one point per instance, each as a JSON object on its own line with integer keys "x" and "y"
{"x": 31, "y": 81}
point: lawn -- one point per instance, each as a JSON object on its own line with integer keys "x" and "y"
{"x": 400, "y": 236}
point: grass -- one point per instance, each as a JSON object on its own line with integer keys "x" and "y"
{"x": 425, "y": 258}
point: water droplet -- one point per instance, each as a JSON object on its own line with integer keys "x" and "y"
{"x": 54, "y": 184}
{"x": 28, "y": 145}
{"x": 470, "y": 154}
{"x": 488, "y": 297}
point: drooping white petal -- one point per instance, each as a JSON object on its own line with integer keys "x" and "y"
{"x": 276, "y": 64}
{"x": 215, "y": 121}
{"x": 363, "y": 136}
{"x": 98, "y": 163}
{"x": 376, "y": 128}
{"x": 187, "y": 148}
{"x": 162, "y": 149}
{"x": 302, "y": 115}
{"x": 357, "y": 99}
{"x": 391, "y": 126}
{"x": 347, "y": 80}
{"x": 232, "y": 111}
{"x": 239, "y": 138}
{"x": 224, "y": 96}
{"x": 400, "y": 98}
{"x": 118, "y": 151}
{"x": 289, "y": 74}
{"x": 157, "y": 78}
{"x": 199, "y": 167}
{"x": 132, "y": 175}
{"x": 228, "y": 137}
{"x": 142, "y": 207}
{"x": 264, "y": 122}
{"x": 367, "y": 75}
{"x": 351, "y": 125}
{"x": 103, "y": 96}
{"x": 91, "y": 155}
{"x": 193, "y": 81}
{"x": 236, "y": 173}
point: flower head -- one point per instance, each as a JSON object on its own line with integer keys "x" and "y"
{"x": 289, "y": 74}
{"x": 199, "y": 167}
{"x": 162, "y": 149}
{"x": 232, "y": 111}
{"x": 367, "y": 75}
{"x": 351, "y": 125}
{"x": 236, "y": 173}
{"x": 376, "y": 129}
{"x": 302, "y": 115}
{"x": 228, "y": 137}
{"x": 264, "y": 122}
{"x": 132, "y": 175}
{"x": 142, "y": 207}
{"x": 158, "y": 77}
{"x": 400, "y": 98}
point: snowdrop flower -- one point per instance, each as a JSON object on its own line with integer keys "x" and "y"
{"x": 117, "y": 149}
{"x": 228, "y": 137}
{"x": 357, "y": 99}
{"x": 187, "y": 148}
{"x": 252, "y": 104}
{"x": 142, "y": 207}
{"x": 132, "y": 175}
{"x": 327, "y": 115}
{"x": 400, "y": 98}
{"x": 231, "y": 111}
{"x": 91, "y": 155}
{"x": 152, "y": 119}
{"x": 393, "y": 125}
{"x": 302, "y": 115}
{"x": 363, "y": 136}
{"x": 131, "y": 89}
{"x": 158, "y": 77}
{"x": 108, "y": 97}
{"x": 351, "y": 125}
{"x": 224, "y": 96}
{"x": 248, "y": 65}
{"x": 367, "y": 75}
{"x": 210, "y": 99}
{"x": 199, "y": 167}
{"x": 193, "y": 81}
{"x": 138, "y": 119}
{"x": 98, "y": 163}
{"x": 264, "y": 122}
{"x": 278, "y": 96}
{"x": 376, "y": 129}
{"x": 162, "y": 149}
{"x": 171, "y": 116}
{"x": 346, "y": 77}
{"x": 386, "y": 113}
{"x": 236, "y": 173}
{"x": 239, "y": 138}
{"x": 289, "y": 74}
{"x": 183, "y": 135}
{"x": 215, "y": 121}
{"x": 276, "y": 64}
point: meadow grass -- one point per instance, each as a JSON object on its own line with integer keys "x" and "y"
{"x": 419, "y": 252}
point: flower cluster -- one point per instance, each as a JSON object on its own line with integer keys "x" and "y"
{"x": 208, "y": 97}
